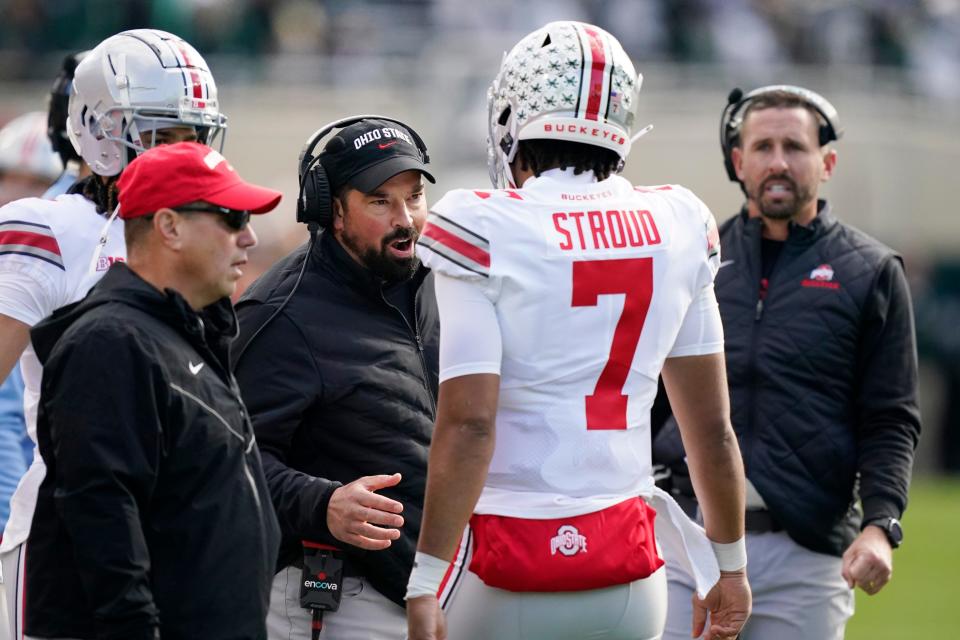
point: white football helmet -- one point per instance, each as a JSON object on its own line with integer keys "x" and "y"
{"x": 136, "y": 82}
{"x": 25, "y": 148}
{"x": 565, "y": 81}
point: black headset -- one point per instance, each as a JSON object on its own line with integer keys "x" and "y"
{"x": 732, "y": 119}
{"x": 315, "y": 202}
{"x": 58, "y": 107}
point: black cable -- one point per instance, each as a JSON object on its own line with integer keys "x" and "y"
{"x": 314, "y": 229}
{"x": 317, "y": 625}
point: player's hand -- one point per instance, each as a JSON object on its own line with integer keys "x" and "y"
{"x": 868, "y": 562}
{"x": 728, "y": 603}
{"x": 357, "y": 515}
{"x": 425, "y": 619}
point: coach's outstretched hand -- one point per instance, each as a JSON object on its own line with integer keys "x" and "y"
{"x": 729, "y": 604}
{"x": 359, "y": 516}
{"x": 425, "y": 620}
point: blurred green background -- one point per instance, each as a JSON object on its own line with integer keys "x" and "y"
{"x": 919, "y": 602}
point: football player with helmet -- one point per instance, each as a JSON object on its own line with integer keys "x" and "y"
{"x": 27, "y": 167}
{"x": 136, "y": 89}
{"x": 563, "y": 294}
{"x": 38, "y": 159}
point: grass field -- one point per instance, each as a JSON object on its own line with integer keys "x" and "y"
{"x": 920, "y": 601}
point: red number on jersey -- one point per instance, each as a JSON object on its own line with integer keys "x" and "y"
{"x": 607, "y": 406}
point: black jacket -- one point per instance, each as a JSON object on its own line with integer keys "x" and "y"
{"x": 339, "y": 386}
{"x": 822, "y": 375}
{"x": 154, "y": 516}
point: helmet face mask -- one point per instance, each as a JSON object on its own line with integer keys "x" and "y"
{"x": 566, "y": 81}
{"x": 502, "y": 139}
{"x": 135, "y": 83}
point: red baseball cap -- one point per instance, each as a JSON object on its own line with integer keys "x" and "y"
{"x": 171, "y": 175}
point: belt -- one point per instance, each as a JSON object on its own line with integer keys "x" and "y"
{"x": 350, "y": 570}
{"x": 754, "y": 520}
{"x": 681, "y": 488}
{"x": 760, "y": 521}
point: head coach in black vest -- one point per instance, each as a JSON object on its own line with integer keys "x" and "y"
{"x": 337, "y": 362}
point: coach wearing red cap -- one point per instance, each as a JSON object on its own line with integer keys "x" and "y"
{"x": 154, "y": 519}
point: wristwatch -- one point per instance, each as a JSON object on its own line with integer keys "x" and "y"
{"x": 891, "y": 527}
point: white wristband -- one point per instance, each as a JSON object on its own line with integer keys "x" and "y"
{"x": 427, "y": 574}
{"x": 731, "y": 556}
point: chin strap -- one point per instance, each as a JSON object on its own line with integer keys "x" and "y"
{"x": 102, "y": 242}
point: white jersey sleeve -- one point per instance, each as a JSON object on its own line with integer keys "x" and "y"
{"x": 470, "y": 342}
{"x": 21, "y": 293}
{"x": 454, "y": 240}
{"x": 701, "y": 331}
{"x": 31, "y": 262}
{"x": 455, "y": 245}
{"x": 705, "y": 221}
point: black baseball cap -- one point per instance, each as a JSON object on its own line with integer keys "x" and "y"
{"x": 370, "y": 152}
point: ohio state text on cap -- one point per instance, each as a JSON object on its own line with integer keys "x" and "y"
{"x": 370, "y": 152}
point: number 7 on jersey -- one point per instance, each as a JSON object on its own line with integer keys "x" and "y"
{"x": 607, "y": 406}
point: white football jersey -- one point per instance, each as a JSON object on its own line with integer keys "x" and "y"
{"x": 47, "y": 250}
{"x": 594, "y": 285}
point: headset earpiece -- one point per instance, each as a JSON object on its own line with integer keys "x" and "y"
{"x": 737, "y": 102}
{"x": 315, "y": 200}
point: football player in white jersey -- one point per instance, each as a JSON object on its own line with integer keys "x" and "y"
{"x": 134, "y": 90}
{"x": 563, "y": 295}
{"x": 45, "y": 150}
{"x": 28, "y": 165}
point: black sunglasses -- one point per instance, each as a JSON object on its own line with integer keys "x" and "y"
{"x": 236, "y": 220}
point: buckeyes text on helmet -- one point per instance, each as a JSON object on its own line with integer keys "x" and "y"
{"x": 134, "y": 83}
{"x": 565, "y": 81}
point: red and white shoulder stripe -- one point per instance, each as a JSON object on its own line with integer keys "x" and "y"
{"x": 456, "y": 243}
{"x": 32, "y": 239}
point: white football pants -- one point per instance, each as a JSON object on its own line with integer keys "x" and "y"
{"x": 632, "y": 611}
{"x": 12, "y": 568}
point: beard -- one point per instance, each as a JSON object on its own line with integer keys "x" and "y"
{"x": 380, "y": 261}
{"x": 783, "y": 208}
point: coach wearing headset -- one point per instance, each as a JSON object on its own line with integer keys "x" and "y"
{"x": 822, "y": 368}
{"x": 337, "y": 363}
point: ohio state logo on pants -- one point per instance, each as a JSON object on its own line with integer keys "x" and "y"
{"x": 568, "y": 541}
